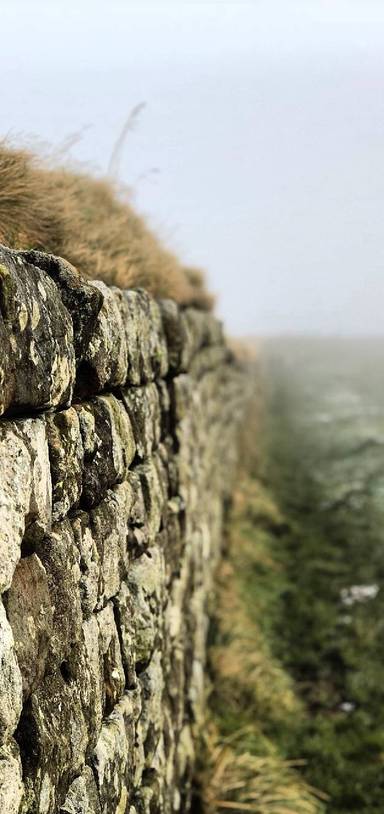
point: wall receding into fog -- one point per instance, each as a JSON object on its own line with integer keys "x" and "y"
{"x": 117, "y": 442}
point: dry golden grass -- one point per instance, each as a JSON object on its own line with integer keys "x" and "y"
{"x": 243, "y": 782}
{"x": 85, "y": 221}
{"x": 247, "y": 671}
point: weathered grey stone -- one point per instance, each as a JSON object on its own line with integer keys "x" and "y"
{"x": 154, "y": 494}
{"x": 138, "y": 515}
{"x": 11, "y": 785}
{"x": 145, "y": 581}
{"x": 165, "y": 408}
{"x": 82, "y": 797}
{"x": 109, "y": 527}
{"x": 109, "y": 611}
{"x": 143, "y": 407}
{"x": 108, "y": 443}
{"x": 39, "y": 516}
{"x": 90, "y": 574}
{"x": 209, "y": 358}
{"x": 114, "y": 676}
{"x": 148, "y": 354}
{"x": 151, "y": 719}
{"x": 61, "y": 560}
{"x": 29, "y": 611}
{"x": 130, "y": 313}
{"x": 175, "y": 332}
{"x": 66, "y": 459}
{"x": 25, "y": 489}
{"x": 157, "y": 341}
{"x": 10, "y": 680}
{"x": 37, "y": 366}
{"x": 173, "y": 541}
{"x": 105, "y": 359}
{"x": 15, "y": 497}
{"x": 86, "y": 667}
{"x": 81, "y": 299}
{"x": 181, "y": 391}
{"x": 114, "y": 754}
{"x": 53, "y": 738}
{"x": 124, "y": 615}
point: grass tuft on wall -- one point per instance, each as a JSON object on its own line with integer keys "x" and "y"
{"x": 91, "y": 224}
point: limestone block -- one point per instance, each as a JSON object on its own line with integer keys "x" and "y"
{"x": 109, "y": 528}
{"x": 39, "y": 516}
{"x": 128, "y": 302}
{"x": 25, "y": 489}
{"x": 108, "y": 443}
{"x": 175, "y": 332}
{"x": 10, "y": 680}
{"x": 53, "y": 738}
{"x": 60, "y": 558}
{"x": 114, "y": 754}
{"x": 167, "y": 451}
{"x": 124, "y": 615}
{"x": 105, "y": 359}
{"x": 154, "y": 492}
{"x": 90, "y": 573}
{"x": 114, "y": 676}
{"x": 86, "y": 667}
{"x": 37, "y": 366}
{"x": 157, "y": 342}
{"x": 165, "y": 408}
{"x": 181, "y": 393}
{"x": 81, "y": 299}
{"x": 145, "y": 581}
{"x": 29, "y": 611}
{"x": 11, "y": 785}
{"x": 151, "y": 719}
{"x": 82, "y": 797}
{"x": 148, "y": 355}
{"x": 174, "y": 541}
{"x": 143, "y": 407}
{"x": 208, "y": 358}
{"x": 138, "y": 515}
{"x": 66, "y": 459}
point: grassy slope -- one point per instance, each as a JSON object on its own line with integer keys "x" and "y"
{"x": 253, "y": 704}
{"x": 335, "y": 654}
{"x": 286, "y": 654}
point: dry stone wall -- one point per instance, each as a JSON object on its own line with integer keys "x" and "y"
{"x": 117, "y": 447}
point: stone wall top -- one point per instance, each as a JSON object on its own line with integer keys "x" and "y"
{"x": 64, "y": 337}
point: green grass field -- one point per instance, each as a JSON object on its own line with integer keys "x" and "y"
{"x": 297, "y": 652}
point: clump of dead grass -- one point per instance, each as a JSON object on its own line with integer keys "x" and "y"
{"x": 244, "y": 782}
{"x": 249, "y": 677}
{"x": 86, "y": 221}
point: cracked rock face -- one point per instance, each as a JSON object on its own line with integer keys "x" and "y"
{"x": 29, "y": 610}
{"x": 25, "y": 490}
{"x": 66, "y": 456}
{"x": 11, "y": 784}
{"x": 37, "y": 367}
{"x": 118, "y": 420}
{"x": 10, "y": 680}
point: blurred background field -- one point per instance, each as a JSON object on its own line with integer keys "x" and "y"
{"x": 298, "y": 643}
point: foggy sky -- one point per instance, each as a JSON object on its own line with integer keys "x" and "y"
{"x": 259, "y": 154}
